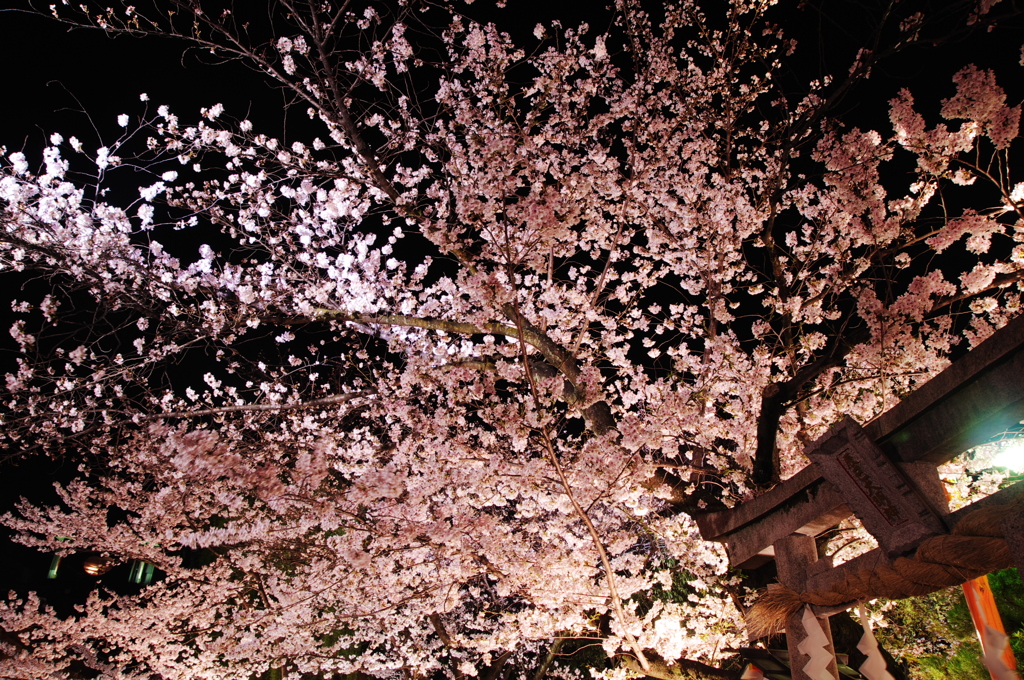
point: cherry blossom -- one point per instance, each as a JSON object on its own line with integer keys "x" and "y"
{"x": 445, "y": 382}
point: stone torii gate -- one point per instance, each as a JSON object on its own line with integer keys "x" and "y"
{"x": 885, "y": 474}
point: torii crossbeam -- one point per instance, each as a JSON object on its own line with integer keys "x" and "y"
{"x": 886, "y": 474}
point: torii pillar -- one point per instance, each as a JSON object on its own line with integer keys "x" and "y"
{"x": 794, "y": 556}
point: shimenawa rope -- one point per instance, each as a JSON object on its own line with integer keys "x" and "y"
{"x": 975, "y": 547}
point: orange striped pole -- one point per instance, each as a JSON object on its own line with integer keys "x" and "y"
{"x": 982, "y": 605}
{"x": 983, "y": 609}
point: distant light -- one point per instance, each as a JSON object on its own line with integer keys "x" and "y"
{"x": 1011, "y": 455}
{"x": 97, "y": 565}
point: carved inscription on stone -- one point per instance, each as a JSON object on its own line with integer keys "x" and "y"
{"x": 865, "y": 481}
{"x": 880, "y": 495}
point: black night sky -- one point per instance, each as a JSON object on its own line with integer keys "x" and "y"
{"x": 78, "y": 82}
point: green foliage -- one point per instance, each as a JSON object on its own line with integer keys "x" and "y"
{"x": 965, "y": 664}
{"x": 936, "y": 636}
{"x": 679, "y": 591}
{"x": 1011, "y": 479}
{"x": 1009, "y": 592}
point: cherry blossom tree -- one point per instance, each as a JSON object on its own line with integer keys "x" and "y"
{"x": 439, "y": 384}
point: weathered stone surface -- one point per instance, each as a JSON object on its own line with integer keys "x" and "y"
{"x": 804, "y": 504}
{"x": 795, "y": 555}
{"x": 1013, "y": 530}
{"x": 715, "y": 524}
{"x": 878, "y": 492}
{"x": 869, "y": 561}
{"x": 817, "y": 508}
{"x": 924, "y": 478}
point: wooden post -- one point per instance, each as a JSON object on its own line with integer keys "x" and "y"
{"x": 794, "y": 554}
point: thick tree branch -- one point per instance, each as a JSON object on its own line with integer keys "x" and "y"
{"x": 598, "y": 414}
{"x": 776, "y": 397}
{"x": 498, "y": 664}
{"x": 442, "y": 633}
{"x": 681, "y": 669}
{"x": 542, "y": 669}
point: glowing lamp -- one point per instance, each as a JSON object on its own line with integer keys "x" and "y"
{"x": 1011, "y": 455}
{"x": 97, "y": 565}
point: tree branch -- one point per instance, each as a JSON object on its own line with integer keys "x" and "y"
{"x": 776, "y": 397}
{"x": 548, "y": 658}
{"x": 289, "y": 406}
{"x": 681, "y": 669}
{"x": 598, "y": 415}
{"x": 438, "y": 625}
{"x": 595, "y": 536}
{"x": 498, "y": 664}
{"x": 237, "y": 408}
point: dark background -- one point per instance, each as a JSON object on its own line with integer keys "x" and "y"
{"x": 77, "y": 82}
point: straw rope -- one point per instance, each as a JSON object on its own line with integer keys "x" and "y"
{"x": 975, "y": 547}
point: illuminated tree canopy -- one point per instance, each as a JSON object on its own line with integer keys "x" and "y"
{"x": 442, "y": 377}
